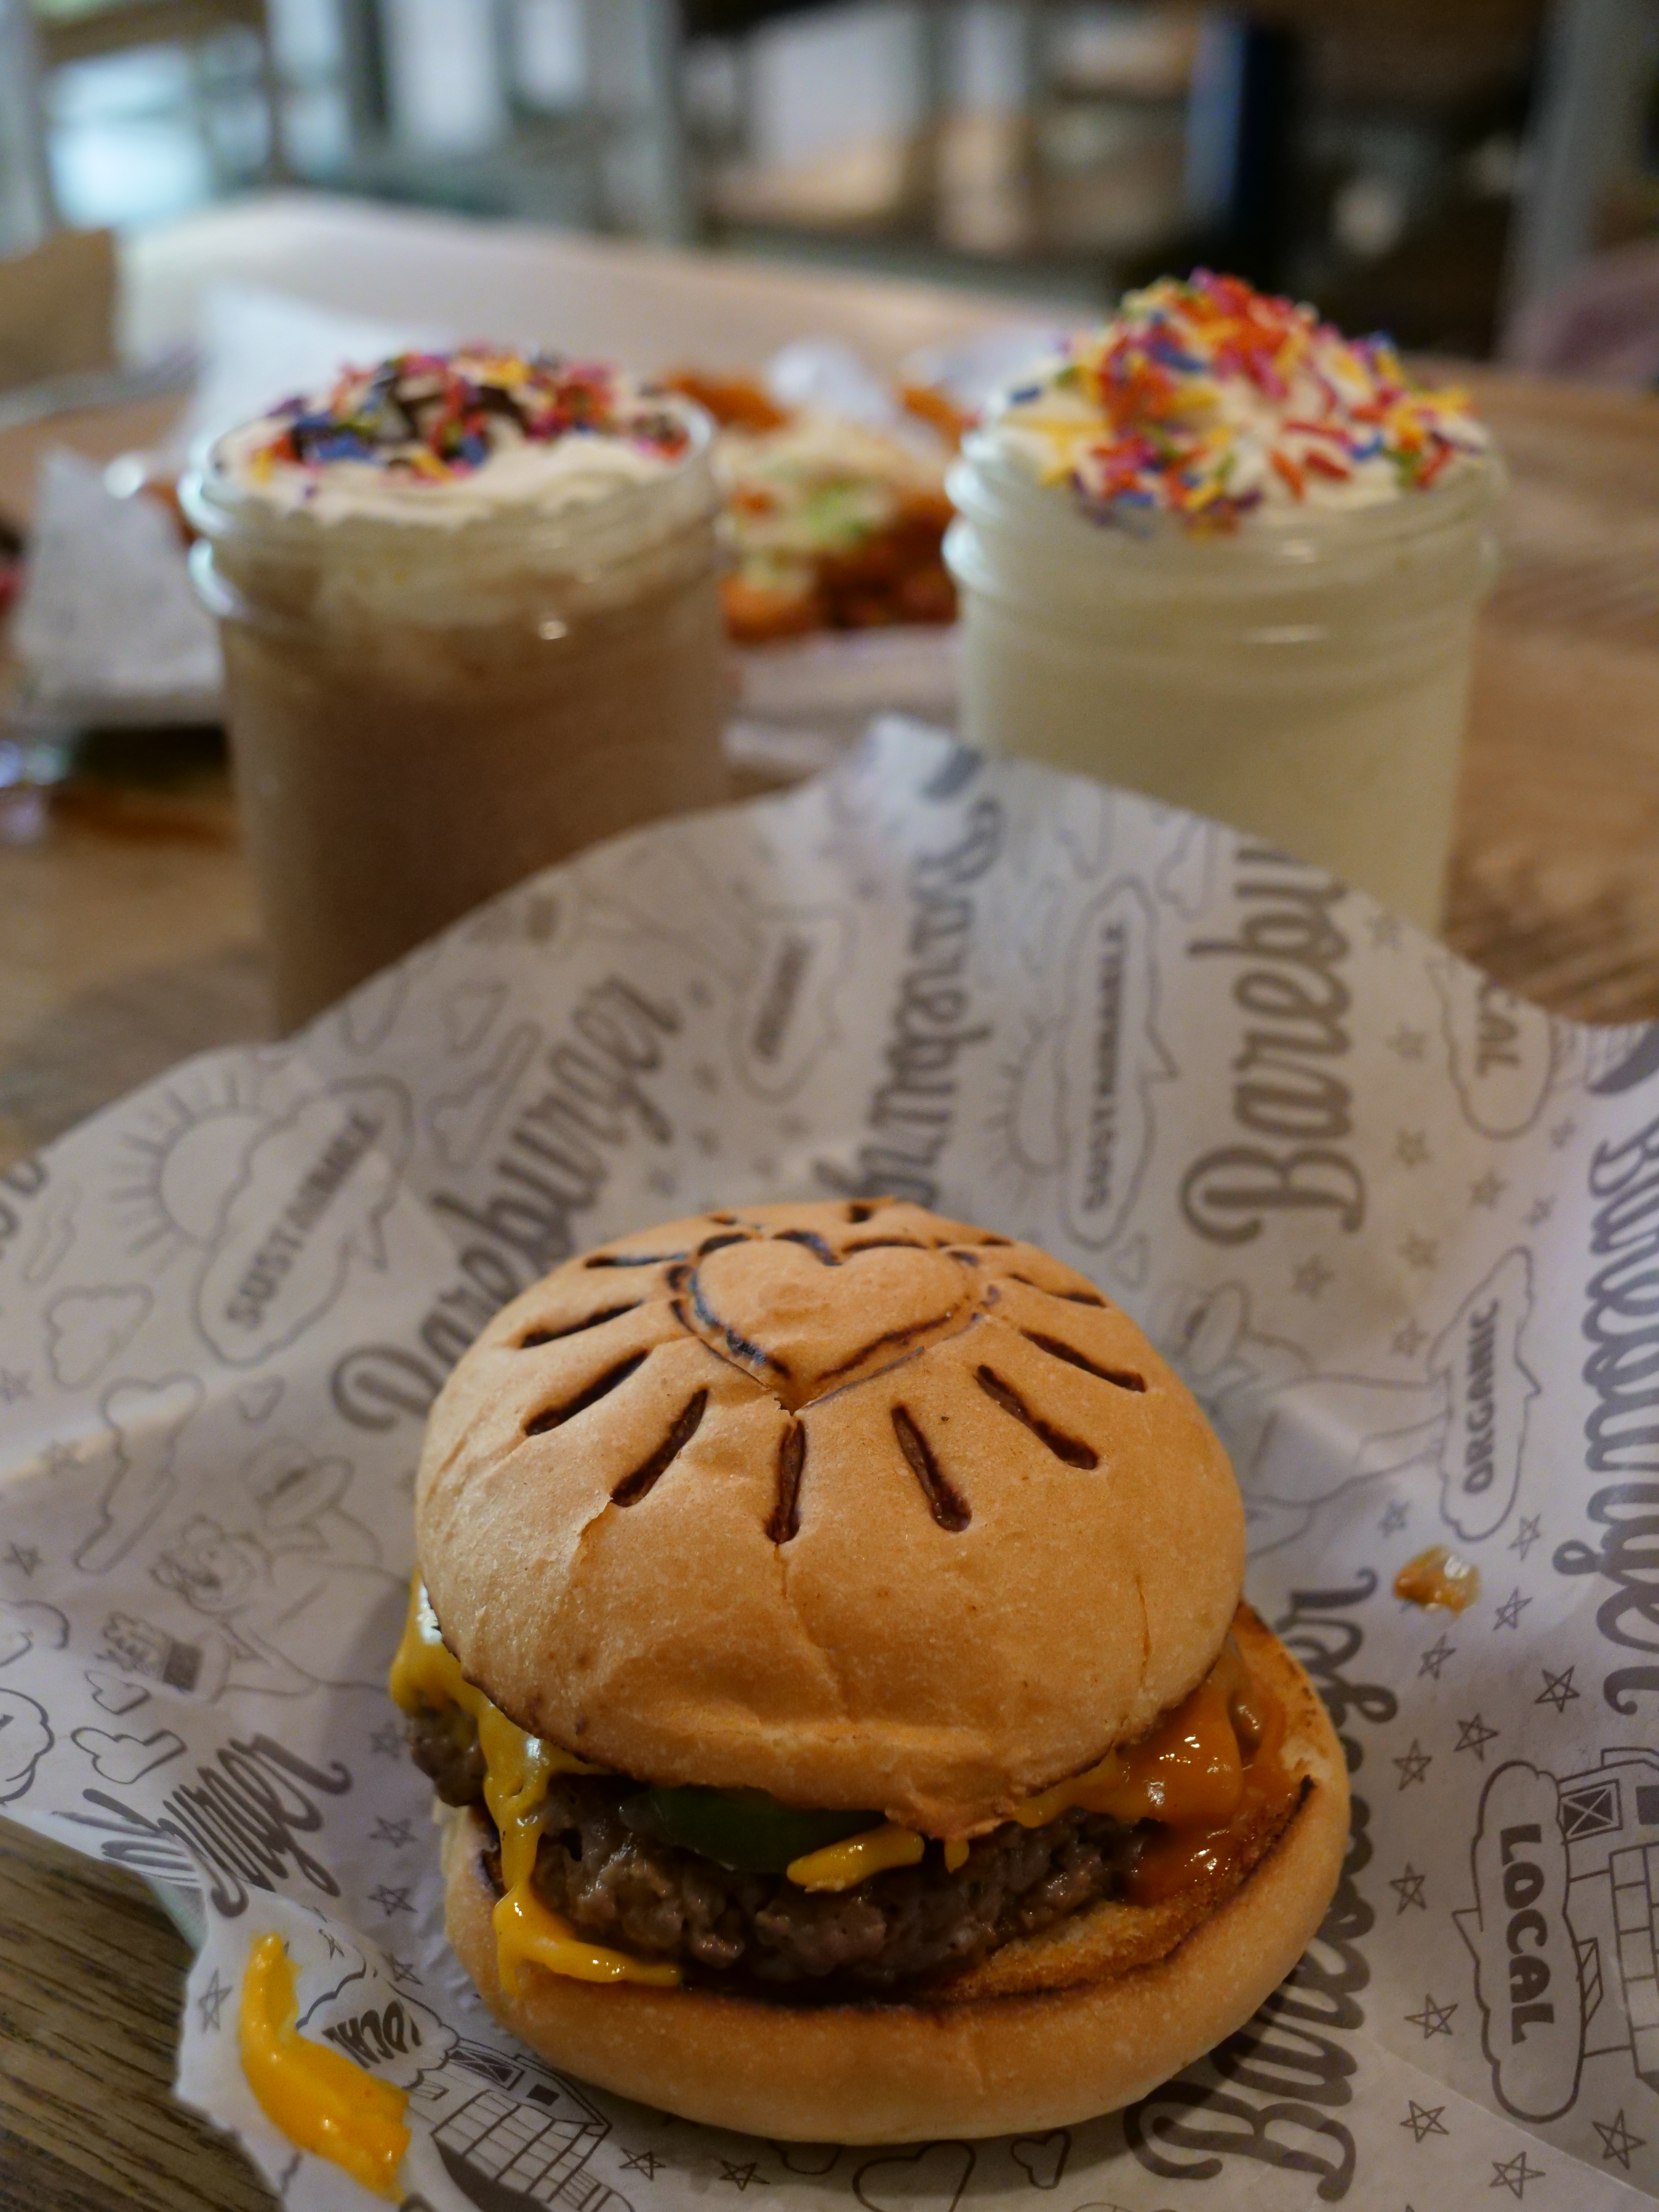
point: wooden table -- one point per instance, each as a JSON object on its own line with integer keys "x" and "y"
{"x": 128, "y": 937}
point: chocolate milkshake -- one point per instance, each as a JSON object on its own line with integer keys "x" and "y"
{"x": 470, "y": 624}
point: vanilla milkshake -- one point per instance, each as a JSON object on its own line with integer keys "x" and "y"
{"x": 1219, "y": 553}
{"x": 471, "y": 623}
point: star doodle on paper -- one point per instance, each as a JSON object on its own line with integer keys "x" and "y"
{"x": 1563, "y": 1135}
{"x": 1385, "y": 932}
{"x": 392, "y": 1901}
{"x": 1409, "y": 1043}
{"x": 1396, "y": 1514}
{"x": 335, "y": 1947}
{"x": 1408, "y": 1888}
{"x": 388, "y": 1740}
{"x": 1312, "y": 1277}
{"x": 1508, "y": 1614}
{"x": 1411, "y": 1148}
{"x": 397, "y": 1834}
{"x": 1409, "y": 1341}
{"x": 1514, "y": 2174}
{"x": 643, "y": 2161}
{"x": 13, "y": 1387}
{"x": 1418, "y": 1251}
{"x": 24, "y": 1557}
{"x": 1436, "y": 1656}
{"x": 1617, "y": 2141}
{"x": 1529, "y": 1533}
{"x": 743, "y": 2176}
{"x": 1540, "y": 1212}
{"x": 1489, "y": 1189}
{"x": 402, "y": 1972}
{"x": 1434, "y": 2018}
{"x": 1558, "y": 1690}
{"x": 1474, "y": 1735}
{"x": 1423, "y": 2119}
{"x": 211, "y": 2003}
{"x": 1414, "y": 1766}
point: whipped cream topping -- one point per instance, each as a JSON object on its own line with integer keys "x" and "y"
{"x": 1209, "y": 401}
{"x": 449, "y": 439}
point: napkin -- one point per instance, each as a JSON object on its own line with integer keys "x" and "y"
{"x": 1400, "y": 1231}
{"x": 109, "y": 630}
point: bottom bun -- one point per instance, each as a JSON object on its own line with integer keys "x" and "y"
{"x": 878, "y": 2071}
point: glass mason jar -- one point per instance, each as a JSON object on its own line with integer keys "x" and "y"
{"x": 1304, "y": 678}
{"x": 423, "y": 711}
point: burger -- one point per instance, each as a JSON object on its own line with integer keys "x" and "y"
{"x": 827, "y": 1644}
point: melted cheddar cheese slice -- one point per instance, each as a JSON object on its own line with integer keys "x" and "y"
{"x": 517, "y": 1767}
{"x": 1188, "y": 1774}
{"x": 844, "y": 1865}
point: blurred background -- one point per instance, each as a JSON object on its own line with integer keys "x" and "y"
{"x": 1481, "y": 177}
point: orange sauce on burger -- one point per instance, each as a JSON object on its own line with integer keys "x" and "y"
{"x": 1247, "y": 1776}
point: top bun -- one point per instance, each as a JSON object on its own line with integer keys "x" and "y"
{"x": 848, "y": 1503}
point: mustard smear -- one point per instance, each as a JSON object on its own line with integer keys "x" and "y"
{"x": 320, "y": 2101}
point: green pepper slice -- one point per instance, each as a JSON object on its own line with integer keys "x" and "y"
{"x": 744, "y": 1830}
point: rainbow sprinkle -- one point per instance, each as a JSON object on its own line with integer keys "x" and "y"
{"x": 438, "y": 416}
{"x": 1207, "y": 399}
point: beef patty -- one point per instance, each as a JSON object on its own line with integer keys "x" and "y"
{"x": 597, "y": 1867}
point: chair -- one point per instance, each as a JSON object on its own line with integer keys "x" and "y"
{"x": 69, "y": 31}
{"x": 57, "y": 308}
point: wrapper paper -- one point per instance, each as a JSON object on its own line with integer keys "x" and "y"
{"x": 1400, "y": 1231}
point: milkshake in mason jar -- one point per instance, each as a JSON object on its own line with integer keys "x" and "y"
{"x": 1220, "y": 554}
{"x": 471, "y": 623}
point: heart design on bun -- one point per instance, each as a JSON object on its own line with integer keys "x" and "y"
{"x": 807, "y": 1318}
{"x": 807, "y": 1303}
